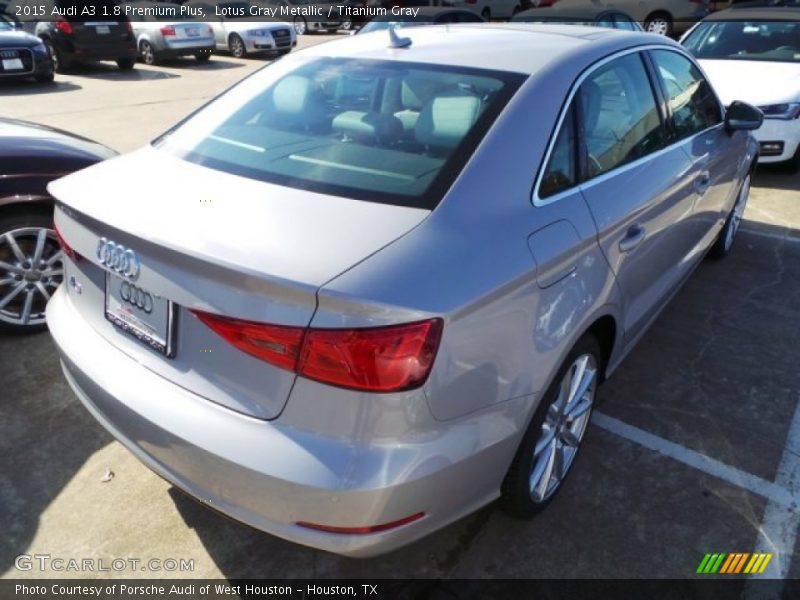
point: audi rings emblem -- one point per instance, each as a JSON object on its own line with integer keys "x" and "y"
{"x": 136, "y": 296}
{"x": 118, "y": 258}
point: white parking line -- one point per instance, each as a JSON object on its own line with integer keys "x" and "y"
{"x": 781, "y": 522}
{"x": 779, "y": 527}
{"x": 773, "y": 492}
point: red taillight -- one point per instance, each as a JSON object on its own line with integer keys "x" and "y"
{"x": 169, "y": 30}
{"x": 383, "y": 359}
{"x": 63, "y": 26}
{"x": 378, "y": 359}
{"x": 65, "y": 247}
{"x": 362, "y": 530}
{"x": 128, "y": 27}
{"x": 274, "y": 344}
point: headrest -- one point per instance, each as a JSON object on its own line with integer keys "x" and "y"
{"x": 445, "y": 120}
{"x": 368, "y": 127}
{"x": 293, "y": 94}
{"x": 415, "y": 91}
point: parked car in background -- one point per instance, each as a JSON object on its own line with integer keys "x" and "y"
{"x": 242, "y": 36}
{"x": 31, "y": 156}
{"x": 571, "y": 14}
{"x": 350, "y": 22}
{"x": 490, "y": 9}
{"x": 754, "y": 54}
{"x": 23, "y": 55}
{"x": 313, "y": 335}
{"x": 329, "y": 23}
{"x": 160, "y": 37}
{"x": 73, "y": 40}
{"x": 425, "y": 16}
{"x": 665, "y": 17}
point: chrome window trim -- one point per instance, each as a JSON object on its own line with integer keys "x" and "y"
{"x": 535, "y": 199}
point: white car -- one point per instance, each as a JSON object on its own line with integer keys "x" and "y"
{"x": 753, "y": 54}
{"x": 490, "y": 9}
{"x": 241, "y": 36}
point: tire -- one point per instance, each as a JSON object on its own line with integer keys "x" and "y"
{"x": 147, "y": 53}
{"x": 347, "y": 24}
{"x": 724, "y": 242}
{"x": 60, "y": 63}
{"x": 531, "y": 484}
{"x": 486, "y": 13}
{"x": 236, "y": 46}
{"x": 27, "y": 282}
{"x": 126, "y": 64}
{"x": 300, "y": 25}
{"x": 48, "y": 77}
{"x": 660, "y": 23}
{"x": 203, "y": 56}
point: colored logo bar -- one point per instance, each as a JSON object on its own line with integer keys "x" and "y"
{"x": 735, "y": 562}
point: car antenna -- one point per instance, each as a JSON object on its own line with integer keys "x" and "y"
{"x": 395, "y": 41}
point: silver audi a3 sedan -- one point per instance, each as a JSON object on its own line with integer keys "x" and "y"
{"x": 375, "y": 285}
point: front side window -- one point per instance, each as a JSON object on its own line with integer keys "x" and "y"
{"x": 382, "y": 131}
{"x": 619, "y": 115}
{"x": 777, "y": 41}
{"x": 691, "y": 100}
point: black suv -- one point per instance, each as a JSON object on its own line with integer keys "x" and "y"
{"x": 79, "y": 38}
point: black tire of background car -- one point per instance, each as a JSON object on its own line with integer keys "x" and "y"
{"x": 486, "y": 13}
{"x": 303, "y": 25}
{"x": 126, "y": 64}
{"x": 515, "y": 497}
{"x": 60, "y": 64}
{"x": 203, "y": 56}
{"x": 48, "y": 77}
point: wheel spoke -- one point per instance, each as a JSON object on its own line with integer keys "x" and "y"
{"x": 13, "y": 294}
{"x": 580, "y": 408}
{"x": 577, "y": 378}
{"x": 42, "y": 290}
{"x": 569, "y": 438}
{"x": 26, "y": 310}
{"x": 41, "y": 238}
{"x": 4, "y": 266}
{"x": 53, "y": 259}
{"x": 545, "y": 440}
{"x": 558, "y": 461}
{"x": 7, "y": 280}
{"x": 540, "y": 478}
{"x": 53, "y": 273}
{"x": 580, "y": 392}
{"x": 12, "y": 243}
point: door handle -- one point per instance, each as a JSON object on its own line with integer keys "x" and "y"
{"x": 634, "y": 236}
{"x": 702, "y": 183}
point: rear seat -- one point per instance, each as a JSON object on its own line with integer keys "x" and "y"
{"x": 414, "y": 93}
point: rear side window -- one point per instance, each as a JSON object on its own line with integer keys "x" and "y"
{"x": 691, "y": 101}
{"x": 383, "y": 131}
{"x": 561, "y": 172}
{"x": 619, "y": 115}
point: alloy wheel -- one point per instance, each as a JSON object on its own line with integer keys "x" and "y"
{"x": 659, "y": 25}
{"x": 563, "y": 428}
{"x": 299, "y": 25}
{"x": 30, "y": 270}
{"x": 347, "y": 24}
{"x": 147, "y": 53}
{"x": 237, "y": 46}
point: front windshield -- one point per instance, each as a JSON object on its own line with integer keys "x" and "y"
{"x": 381, "y": 131}
{"x": 746, "y": 40}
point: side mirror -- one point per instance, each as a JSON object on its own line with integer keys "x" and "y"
{"x": 741, "y": 116}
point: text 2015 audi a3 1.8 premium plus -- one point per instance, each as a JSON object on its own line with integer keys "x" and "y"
{"x": 353, "y": 299}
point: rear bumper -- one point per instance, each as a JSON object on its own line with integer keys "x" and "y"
{"x": 82, "y": 51}
{"x": 778, "y": 139}
{"x": 269, "y": 475}
{"x": 189, "y": 47}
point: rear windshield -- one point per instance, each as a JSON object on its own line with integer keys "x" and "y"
{"x": 746, "y": 40}
{"x": 382, "y": 131}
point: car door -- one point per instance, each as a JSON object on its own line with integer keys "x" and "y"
{"x": 638, "y": 187}
{"x": 696, "y": 124}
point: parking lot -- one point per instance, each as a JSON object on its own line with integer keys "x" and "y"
{"x": 695, "y": 446}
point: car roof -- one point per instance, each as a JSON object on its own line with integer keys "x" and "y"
{"x": 517, "y": 47}
{"x": 757, "y": 13}
{"x": 587, "y": 11}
